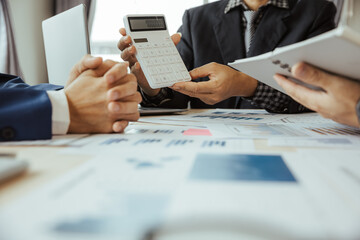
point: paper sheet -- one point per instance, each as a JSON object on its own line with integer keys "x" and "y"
{"x": 322, "y": 203}
{"x": 57, "y": 140}
{"x": 218, "y": 116}
{"x": 316, "y": 142}
{"x": 311, "y": 195}
{"x": 292, "y": 130}
{"x": 121, "y": 194}
{"x": 99, "y": 144}
{"x": 154, "y": 172}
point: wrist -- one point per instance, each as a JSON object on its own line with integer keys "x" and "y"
{"x": 75, "y": 124}
{"x": 358, "y": 113}
{"x": 60, "y": 112}
{"x": 151, "y": 92}
{"x": 248, "y": 85}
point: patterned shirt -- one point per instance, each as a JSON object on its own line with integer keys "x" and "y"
{"x": 264, "y": 96}
{"x": 236, "y": 3}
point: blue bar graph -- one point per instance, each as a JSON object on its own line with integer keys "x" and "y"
{"x": 229, "y": 117}
{"x": 166, "y": 131}
{"x": 179, "y": 142}
{"x": 213, "y": 143}
{"x": 147, "y": 141}
{"x": 112, "y": 141}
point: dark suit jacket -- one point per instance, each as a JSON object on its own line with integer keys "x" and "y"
{"x": 25, "y": 111}
{"x": 209, "y": 35}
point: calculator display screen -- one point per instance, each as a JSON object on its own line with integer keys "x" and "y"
{"x": 147, "y": 23}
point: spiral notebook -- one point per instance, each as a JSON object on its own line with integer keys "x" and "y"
{"x": 336, "y": 51}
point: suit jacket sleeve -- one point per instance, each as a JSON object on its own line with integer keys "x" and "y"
{"x": 9, "y": 81}
{"x": 25, "y": 111}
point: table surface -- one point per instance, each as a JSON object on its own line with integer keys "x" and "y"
{"x": 46, "y": 165}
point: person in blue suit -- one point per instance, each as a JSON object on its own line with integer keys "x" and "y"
{"x": 214, "y": 35}
{"x": 100, "y": 97}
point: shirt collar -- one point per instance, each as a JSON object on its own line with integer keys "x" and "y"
{"x": 236, "y": 3}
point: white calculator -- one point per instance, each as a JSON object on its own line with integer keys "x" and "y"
{"x": 156, "y": 53}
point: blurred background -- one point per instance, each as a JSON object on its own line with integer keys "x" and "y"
{"x": 109, "y": 18}
{"x": 105, "y": 20}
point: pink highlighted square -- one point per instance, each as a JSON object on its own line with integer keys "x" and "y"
{"x": 197, "y": 132}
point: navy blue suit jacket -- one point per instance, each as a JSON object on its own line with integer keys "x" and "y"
{"x": 25, "y": 111}
{"x": 209, "y": 35}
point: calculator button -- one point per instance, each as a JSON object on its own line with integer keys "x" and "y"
{"x": 161, "y": 51}
{"x": 175, "y": 58}
{"x": 148, "y": 62}
{"x": 173, "y": 77}
{"x": 179, "y": 76}
{"x": 168, "y": 68}
{"x": 173, "y": 50}
{"x": 185, "y": 75}
{"x": 146, "y": 53}
{"x": 179, "y": 68}
{"x": 157, "y": 52}
{"x": 163, "y": 60}
{"x": 140, "y": 46}
{"x": 153, "y": 71}
{"x": 158, "y": 69}
{"x": 167, "y": 60}
{"x": 157, "y": 79}
{"x": 174, "y": 68}
{"x": 163, "y": 78}
{"x": 155, "y": 61}
{"x": 164, "y": 69}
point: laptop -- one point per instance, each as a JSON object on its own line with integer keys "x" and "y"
{"x": 66, "y": 41}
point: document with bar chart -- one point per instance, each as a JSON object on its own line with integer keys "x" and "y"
{"x": 292, "y": 130}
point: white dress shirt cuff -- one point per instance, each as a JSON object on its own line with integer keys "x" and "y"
{"x": 60, "y": 112}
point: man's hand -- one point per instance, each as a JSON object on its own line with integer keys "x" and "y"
{"x": 87, "y": 62}
{"x": 224, "y": 83}
{"x": 128, "y": 52}
{"x": 337, "y": 102}
{"x": 103, "y": 100}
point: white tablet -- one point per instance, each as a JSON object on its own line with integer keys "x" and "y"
{"x": 66, "y": 41}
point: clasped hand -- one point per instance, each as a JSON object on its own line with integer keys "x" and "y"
{"x": 102, "y": 96}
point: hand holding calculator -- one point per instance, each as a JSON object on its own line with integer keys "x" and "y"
{"x": 158, "y": 57}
